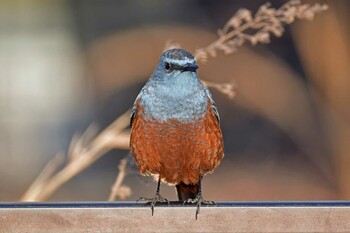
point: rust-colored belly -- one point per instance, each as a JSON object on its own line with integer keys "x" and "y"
{"x": 177, "y": 151}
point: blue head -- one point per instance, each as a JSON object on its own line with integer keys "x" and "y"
{"x": 177, "y": 60}
{"x": 174, "y": 90}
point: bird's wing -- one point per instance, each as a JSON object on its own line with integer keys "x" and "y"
{"x": 133, "y": 110}
{"x": 213, "y": 104}
{"x": 132, "y": 115}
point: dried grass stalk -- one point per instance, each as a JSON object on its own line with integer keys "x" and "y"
{"x": 83, "y": 151}
{"x": 171, "y": 45}
{"x": 119, "y": 190}
{"x": 265, "y": 22}
{"x": 229, "y": 89}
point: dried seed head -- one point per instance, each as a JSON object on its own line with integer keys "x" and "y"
{"x": 244, "y": 27}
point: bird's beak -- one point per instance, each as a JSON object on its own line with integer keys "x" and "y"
{"x": 190, "y": 67}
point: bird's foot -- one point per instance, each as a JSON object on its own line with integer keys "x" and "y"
{"x": 199, "y": 200}
{"x": 154, "y": 200}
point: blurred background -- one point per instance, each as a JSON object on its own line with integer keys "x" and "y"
{"x": 67, "y": 63}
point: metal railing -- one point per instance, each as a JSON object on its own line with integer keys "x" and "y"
{"x": 325, "y": 216}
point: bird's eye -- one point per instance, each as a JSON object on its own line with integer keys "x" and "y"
{"x": 167, "y": 66}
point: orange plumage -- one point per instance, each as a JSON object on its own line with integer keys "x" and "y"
{"x": 175, "y": 151}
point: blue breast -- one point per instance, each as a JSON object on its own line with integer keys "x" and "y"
{"x": 180, "y": 97}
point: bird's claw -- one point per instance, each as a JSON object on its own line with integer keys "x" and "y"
{"x": 199, "y": 200}
{"x": 154, "y": 200}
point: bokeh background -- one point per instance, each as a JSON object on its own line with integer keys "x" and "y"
{"x": 67, "y": 63}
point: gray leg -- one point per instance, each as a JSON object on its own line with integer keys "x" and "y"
{"x": 155, "y": 199}
{"x": 199, "y": 198}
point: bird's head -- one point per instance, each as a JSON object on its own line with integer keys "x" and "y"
{"x": 174, "y": 90}
{"x": 176, "y": 63}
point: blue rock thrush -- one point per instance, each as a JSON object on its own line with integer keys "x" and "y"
{"x": 175, "y": 131}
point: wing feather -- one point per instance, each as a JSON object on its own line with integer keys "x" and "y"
{"x": 213, "y": 104}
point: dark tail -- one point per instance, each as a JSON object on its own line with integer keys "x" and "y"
{"x": 187, "y": 191}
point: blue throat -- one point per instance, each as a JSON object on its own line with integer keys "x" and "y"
{"x": 180, "y": 96}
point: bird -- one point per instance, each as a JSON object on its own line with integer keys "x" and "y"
{"x": 175, "y": 129}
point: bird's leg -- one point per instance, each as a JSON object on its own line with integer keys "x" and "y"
{"x": 199, "y": 198}
{"x": 155, "y": 199}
